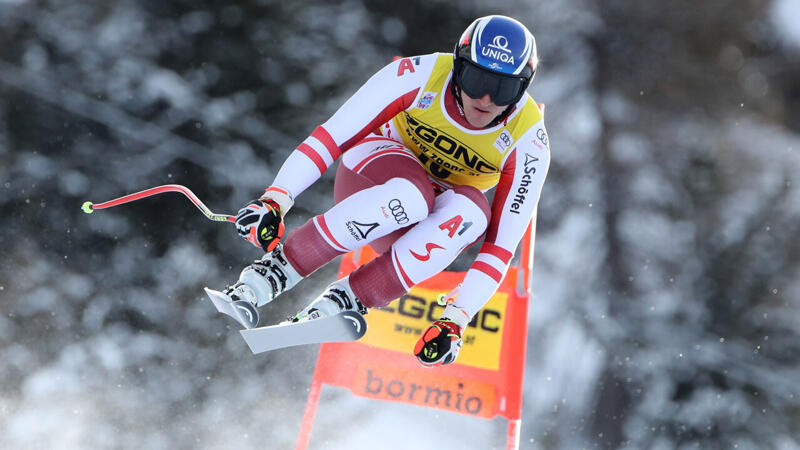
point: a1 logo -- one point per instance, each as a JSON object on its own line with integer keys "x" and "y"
{"x": 452, "y": 226}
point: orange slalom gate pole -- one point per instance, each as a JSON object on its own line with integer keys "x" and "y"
{"x": 311, "y": 411}
{"x": 515, "y": 413}
{"x": 526, "y": 265}
{"x": 513, "y": 434}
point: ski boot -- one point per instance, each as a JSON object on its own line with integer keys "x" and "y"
{"x": 258, "y": 284}
{"x": 336, "y": 298}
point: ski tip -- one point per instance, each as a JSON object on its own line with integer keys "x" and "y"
{"x": 243, "y": 311}
{"x": 87, "y": 207}
{"x": 246, "y": 313}
{"x": 358, "y": 321}
{"x": 217, "y": 297}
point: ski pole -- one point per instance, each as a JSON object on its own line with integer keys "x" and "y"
{"x": 89, "y": 207}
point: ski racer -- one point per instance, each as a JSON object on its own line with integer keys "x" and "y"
{"x": 420, "y": 143}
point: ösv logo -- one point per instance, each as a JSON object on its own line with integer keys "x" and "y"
{"x": 426, "y": 100}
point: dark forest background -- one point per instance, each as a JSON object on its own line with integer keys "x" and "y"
{"x": 667, "y": 276}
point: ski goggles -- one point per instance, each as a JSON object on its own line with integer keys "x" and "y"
{"x": 476, "y": 82}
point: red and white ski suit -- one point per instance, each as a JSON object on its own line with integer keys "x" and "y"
{"x": 411, "y": 184}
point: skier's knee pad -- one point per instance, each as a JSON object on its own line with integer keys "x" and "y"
{"x": 374, "y": 162}
{"x": 415, "y": 203}
{"x": 397, "y": 166}
{"x": 459, "y": 218}
{"x": 417, "y": 176}
{"x": 479, "y": 199}
{"x": 372, "y": 213}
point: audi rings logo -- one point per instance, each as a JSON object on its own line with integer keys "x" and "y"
{"x": 398, "y": 211}
{"x": 540, "y": 133}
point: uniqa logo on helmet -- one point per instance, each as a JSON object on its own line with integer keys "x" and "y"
{"x": 498, "y": 50}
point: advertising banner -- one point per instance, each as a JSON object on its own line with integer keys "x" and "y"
{"x": 486, "y": 379}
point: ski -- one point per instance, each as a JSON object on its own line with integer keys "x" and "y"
{"x": 344, "y": 326}
{"x": 243, "y": 311}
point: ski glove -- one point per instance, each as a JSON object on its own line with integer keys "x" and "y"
{"x": 441, "y": 342}
{"x": 260, "y": 222}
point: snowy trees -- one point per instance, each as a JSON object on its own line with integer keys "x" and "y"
{"x": 684, "y": 177}
{"x": 666, "y": 278}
